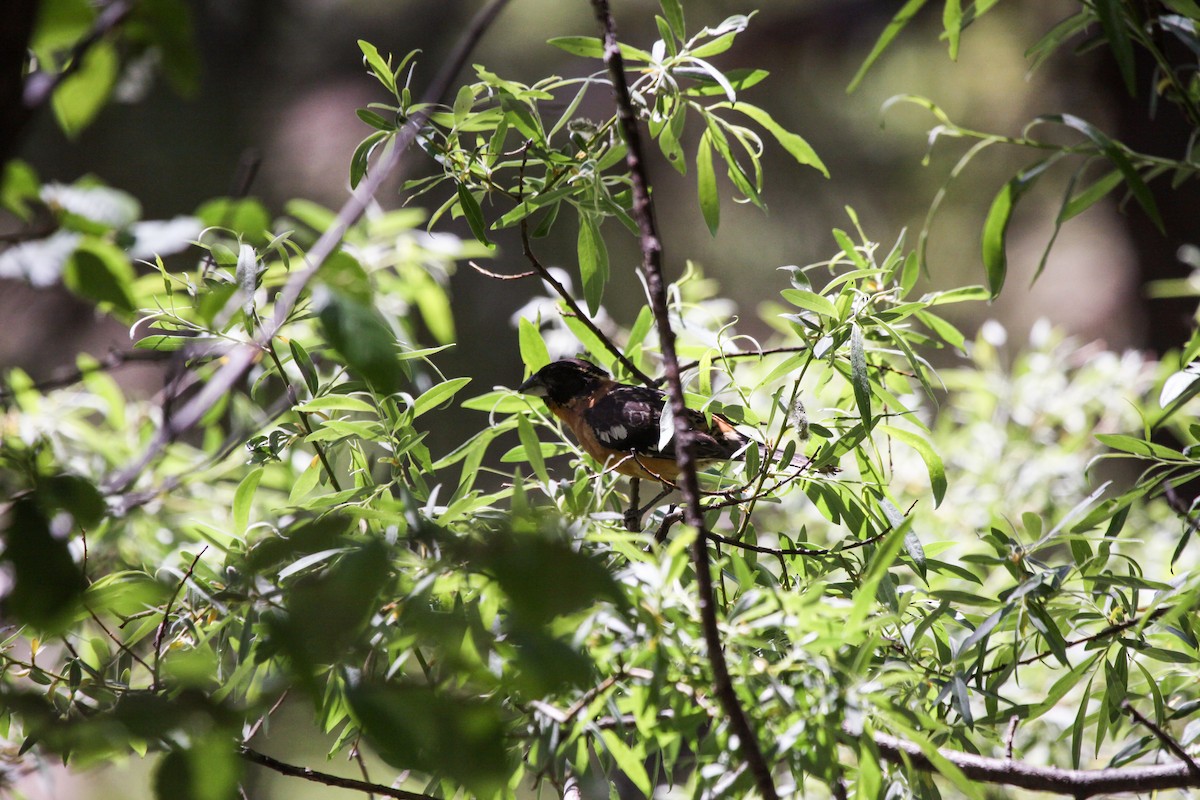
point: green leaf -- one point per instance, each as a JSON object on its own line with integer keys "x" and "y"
{"x": 435, "y": 731}
{"x": 46, "y": 582}
{"x": 796, "y": 146}
{"x": 1112, "y": 15}
{"x": 207, "y": 769}
{"x": 1140, "y": 447}
{"x": 533, "y": 449}
{"x": 243, "y": 497}
{"x": 591, "y": 47}
{"x": 474, "y": 214}
{"x": 533, "y": 346}
{"x": 81, "y": 95}
{"x": 706, "y": 184}
{"x": 673, "y": 11}
{"x": 859, "y": 378}
{"x": 593, "y": 261}
{"x": 952, "y": 22}
{"x": 811, "y": 301}
{"x": 378, "y": 65}
{"x": 995, "y": 227}
{"x": 100, "y": 271}
{"x": 244, "y": 216}
{"x": 1091, "y": 195}
{"x": 438, "y": 394}
{"x": 933, "y": 462}
{"x": 1118, "y": 155}
{"x": 304, "y": 363}
{"x": 881, "y": 561}
{"x": 357, "y": 332}
{"x": 902, "y": 18}
{"x": 336, "y": 402}
{"x": 629, "y": 761}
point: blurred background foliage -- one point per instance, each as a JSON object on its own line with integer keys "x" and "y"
{"x": 281, "y": 80}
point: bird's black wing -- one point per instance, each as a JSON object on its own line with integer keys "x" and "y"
{"x": 628, "y": 419}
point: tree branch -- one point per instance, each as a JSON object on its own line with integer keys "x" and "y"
{"x": 240, "y": 359}
{"x": 643, "y": 213}
{"x": 1164, "y": 738}
{"x": 293, "y": 771}
{"x": 41, "y": 84}
{"x": 1081, "y": 783}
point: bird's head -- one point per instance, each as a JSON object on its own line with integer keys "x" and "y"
{"x": 563, "y": 381}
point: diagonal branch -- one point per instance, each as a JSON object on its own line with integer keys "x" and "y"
{"x": 1164, "y": 738}
{"x": 239, "y": 360}
{"x": 293, "y": 771}
{"x": 643, "y": 213}
{"x": 561, "y": 291}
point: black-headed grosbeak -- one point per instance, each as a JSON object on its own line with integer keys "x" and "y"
{"x": 618, "y": 424}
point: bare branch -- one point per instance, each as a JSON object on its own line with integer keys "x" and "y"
{"x": 1081, "y": 783}
{"x": 500, "y": 276}
{"x": 643, "y": 213}
{"x": 293, "y": 771}
{"x": 1164, "y": 738}
{"x": 162, "y": 626}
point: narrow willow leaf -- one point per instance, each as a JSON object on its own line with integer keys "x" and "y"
{"x": 706, "y": 184}
{"x": 858, "y": 375}
{"x": 1112, "y": 21}
{"x": 933, "y": 462}
{"x": 1119, "y": 157}
{"x": 533, "y": 347}
{"x": 628, "y": 761}
{"x": 811, "y": 301}
{"x": 593, "y": 262}
{"x": 995, "y": 227}
{"x": 673, "y": 11}
{"x": 902, "y": 18}
{"x": 438, "y": 395}
{"x": 532, "y": 448}
{"x": 378, "y": 65}
{"x": 243, "y": 497}
{"x": 474, "y": 214}
{"x": 1090, "y": 196}
{"x": 952, "y": 23}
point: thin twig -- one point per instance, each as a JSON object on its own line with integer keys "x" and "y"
{"x": 240, "y": 359}
{"x": 1163, "y": 737}
{"x": 795, "y": 551}
{"x": 162, "y": 626}
{"x": 113, "y": 360}
{"x": 561, "y": 291}
{"x": 41, "y": 84}
{"x": 500, "y": 276}
{"x": 643, "y": 213}
{"x": 293, "y": 771}
{"x": 294, "y": 401}
{"x": 1010, "y": 735}
{"x": 258, "y": 723}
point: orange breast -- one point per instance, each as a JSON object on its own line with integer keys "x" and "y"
{"x": 626, "y": 463}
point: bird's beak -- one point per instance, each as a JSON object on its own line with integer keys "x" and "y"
{"x": 533, "y": 386}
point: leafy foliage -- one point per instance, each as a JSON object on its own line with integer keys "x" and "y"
{"x": 930, "y": 555}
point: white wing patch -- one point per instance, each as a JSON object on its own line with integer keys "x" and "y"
{"x": 616, "y": 433}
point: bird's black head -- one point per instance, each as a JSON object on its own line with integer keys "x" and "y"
{"x": 563, "y": 381}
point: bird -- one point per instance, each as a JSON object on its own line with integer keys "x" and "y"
{"x": 618, "y": 424}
